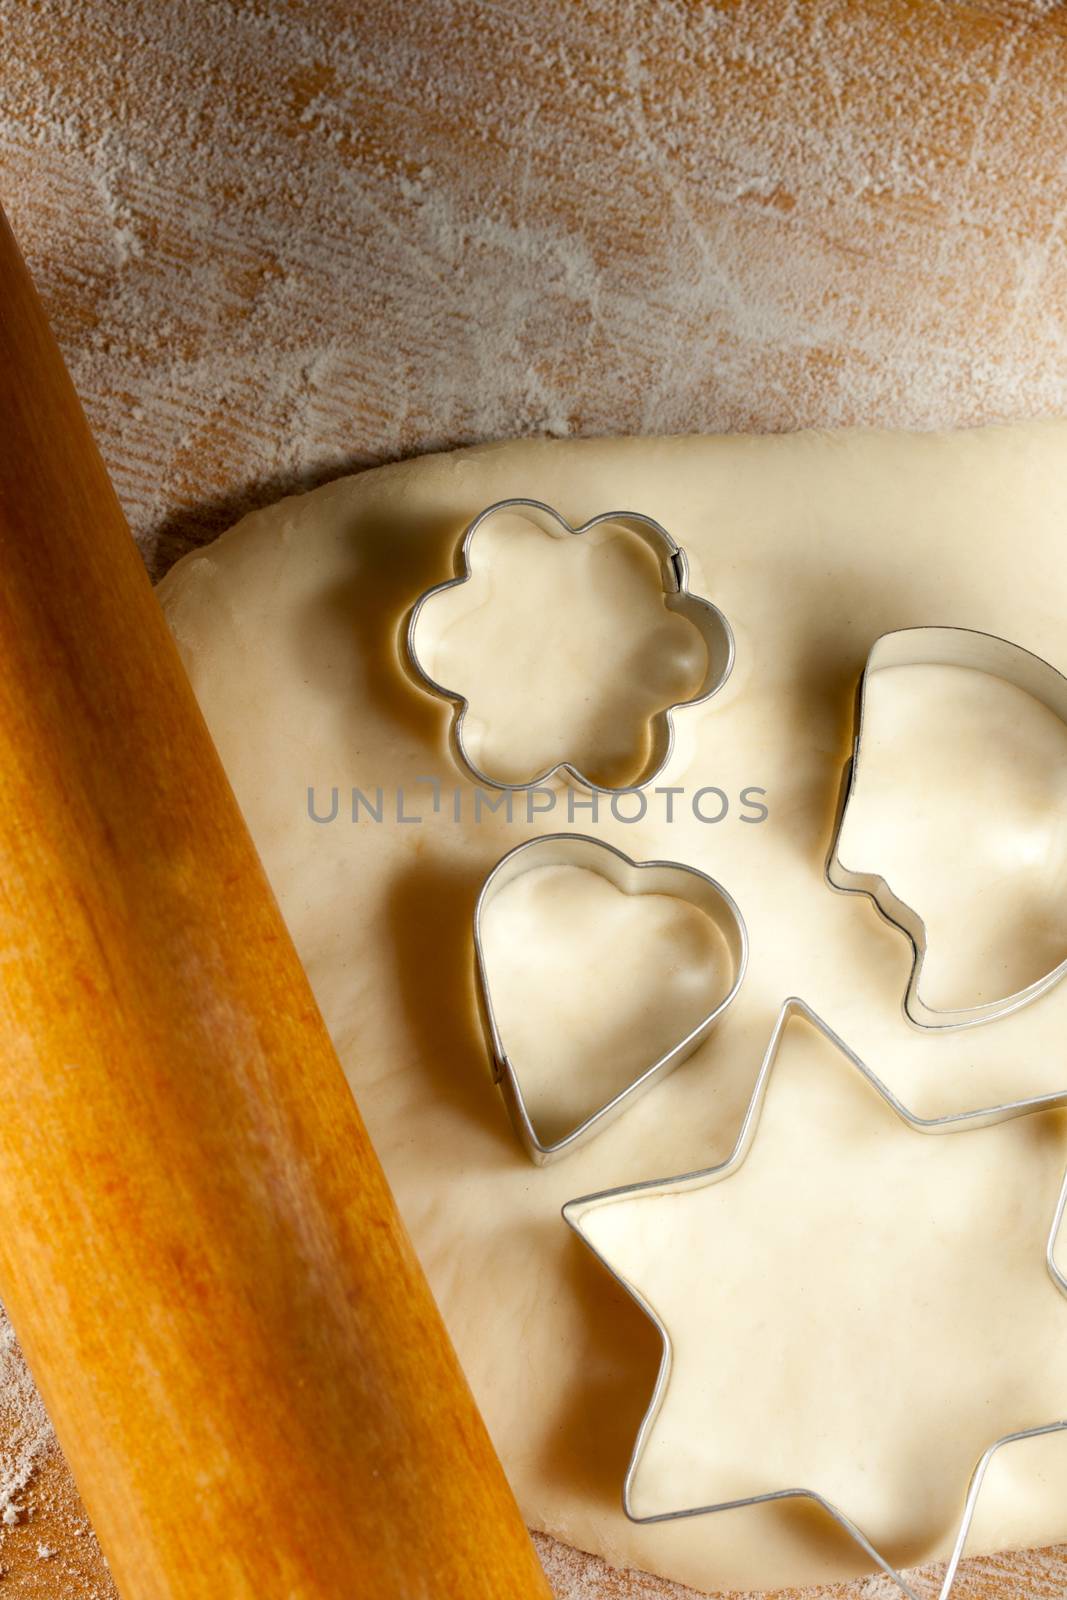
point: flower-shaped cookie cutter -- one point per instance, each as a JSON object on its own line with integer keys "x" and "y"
{"x": 706, "y": 617}
{"x": 978, "y": 652}
{"x": 574, "y": 1212}
{"x": 631, "y": 877}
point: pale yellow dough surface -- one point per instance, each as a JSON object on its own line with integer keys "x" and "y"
{"x": 883, "y": 1370}
{"x": 590, "y": 985}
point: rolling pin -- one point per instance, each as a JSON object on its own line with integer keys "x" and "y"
{"x": 198, "y": 1249}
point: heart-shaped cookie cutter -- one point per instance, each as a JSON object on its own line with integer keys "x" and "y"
{"x": 631, "y": 877}
{"x": 674, "y": 571}
{"x": 978, "y": 652}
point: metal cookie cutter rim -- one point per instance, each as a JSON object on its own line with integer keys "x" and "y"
{"x": 579, "y": 849}
{"x": 956, "y": 1122}
{"x": 981, "y": 652}
{"x": 705, "y": 616}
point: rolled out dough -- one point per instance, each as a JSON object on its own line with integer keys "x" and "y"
{"x": 812, "y": 545}
{"x": 558, "y": 939}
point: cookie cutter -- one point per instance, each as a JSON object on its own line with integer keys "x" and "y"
{"x": 957, "y": 1122}
{"x": 979, "y": 652}
{"x": 631, "y": 877}
{"x": 706, "y": 617}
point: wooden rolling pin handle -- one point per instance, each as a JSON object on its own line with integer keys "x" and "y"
{"x": 199, "y": 1251}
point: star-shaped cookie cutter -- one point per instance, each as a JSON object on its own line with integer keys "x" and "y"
{"x": 979, "y": 652}
{"x": 632, "y": 877}
{"x": 575, "y": 1210}
{"x": 674, "y": 571}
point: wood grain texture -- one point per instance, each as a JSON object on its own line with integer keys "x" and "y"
{"x": 283, "y": 239}
{"x": 200, "y": 1253}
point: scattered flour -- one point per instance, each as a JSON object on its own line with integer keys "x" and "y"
{"x": 282, "y": 238}
{"x": 25, "y": 1432}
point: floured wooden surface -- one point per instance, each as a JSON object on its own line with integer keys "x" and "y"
{"x": 278, "y": 241}
{"x": 284, "y": 237}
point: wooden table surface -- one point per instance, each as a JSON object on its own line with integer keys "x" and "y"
{"x": 283, "y": 239}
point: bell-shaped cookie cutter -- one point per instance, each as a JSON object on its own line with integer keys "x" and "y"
{"x": 957, "y": 1122}
{"x": 674, "y": 569}
{"x": 631, "y": 877}
{"x": 980, "y": 652}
